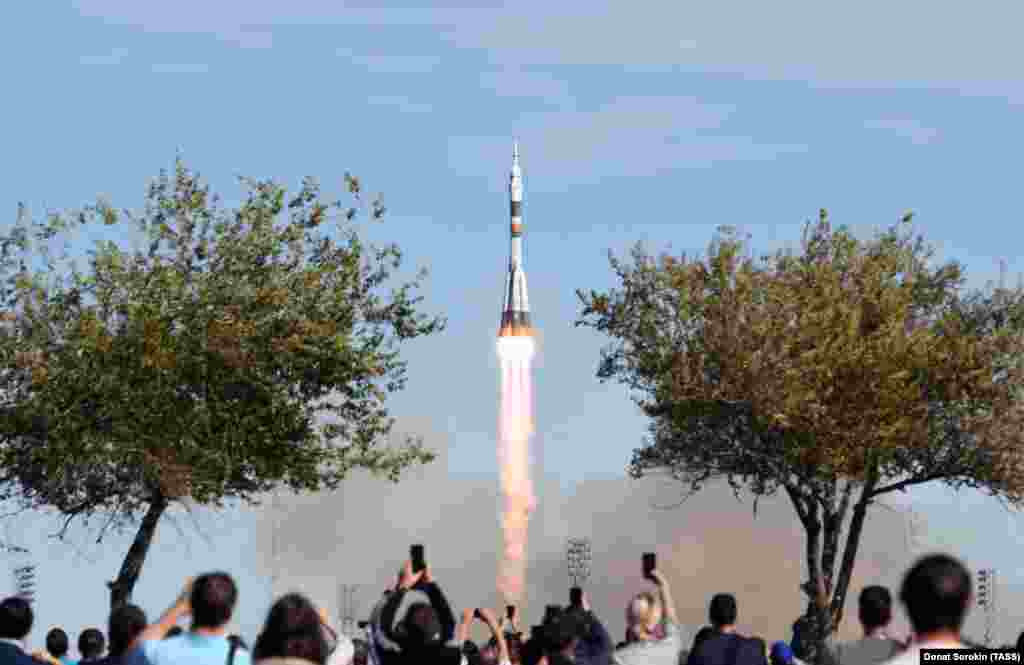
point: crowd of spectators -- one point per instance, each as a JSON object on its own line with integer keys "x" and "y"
{"x": 936, "y": 594}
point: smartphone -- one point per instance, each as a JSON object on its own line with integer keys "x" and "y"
{"x": 576, "y": 597}
{"x": 477, "y": 615}
{"x": 510, "y": 612}
{"x": 416, "y": 554}
{"x": 650, "y": 564}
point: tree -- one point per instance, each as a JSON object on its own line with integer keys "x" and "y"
{"x": 230, "y": 352}
{"x": 836, "y": 375}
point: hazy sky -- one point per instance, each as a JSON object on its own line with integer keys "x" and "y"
{"x": 653, "y": 121}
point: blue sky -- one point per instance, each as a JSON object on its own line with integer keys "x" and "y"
{"x": 638, "y": 121}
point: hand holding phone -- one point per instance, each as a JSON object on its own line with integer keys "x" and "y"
{"x": 650, "y": 564}
{"x": 417, "y": 557}
{"x": 576, "y": 597}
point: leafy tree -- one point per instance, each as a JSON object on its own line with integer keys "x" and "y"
{"x": 836, "y": 375}
{"x": 230, "y": 352}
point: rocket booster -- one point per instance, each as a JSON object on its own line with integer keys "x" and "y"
{"x": 515, "y": 313}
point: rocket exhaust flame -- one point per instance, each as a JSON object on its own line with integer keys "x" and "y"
{"x": 515, "y": 428}
{"x": 515, "y": 349}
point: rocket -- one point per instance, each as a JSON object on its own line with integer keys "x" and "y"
{"x": 515, "y": 313}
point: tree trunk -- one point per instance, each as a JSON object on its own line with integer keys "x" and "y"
{"x": 121, "y": 588}
{"x": 860, "y": 512}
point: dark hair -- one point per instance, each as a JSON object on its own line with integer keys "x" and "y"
{"x": 722, "y": 610}
{"x": 57, "y": 642}
{"x": 292, "y": 630}
{"x": 421, "y": 626}
{"x": 936, "y": 592}
{"x": 91, "y": 643}
{"x": 875, "y": 607}
{"x": 1020, "y": 643}
{"x": 15, "y": 618}
{"x": 703, "y": 634}
{"x": 125, "y": 624}
{"x": 213, "y": 600}
{"x": 174, "y": 632}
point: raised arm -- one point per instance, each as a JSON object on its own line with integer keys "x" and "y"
{"x": 181, "y": 608}
{"x": 667, "y": 604}
{"x": 440, "y": 605}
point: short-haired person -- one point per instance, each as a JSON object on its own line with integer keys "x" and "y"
{"x": 595, "y": 644}
{"x": 91, "y": 645}
{"x": 875, "y": 613}
{"x": 726, "y": 646}
{"x": 645, "y": 615}
{"x": 58, "y": 645}
{"x": 210, "y": 602}
{"x": 937, "y": 594}
{"x": 124, "y": 627}
{"x": 15, "y": 625}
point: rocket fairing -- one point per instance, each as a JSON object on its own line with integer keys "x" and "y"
{"x": 515, "y": 313}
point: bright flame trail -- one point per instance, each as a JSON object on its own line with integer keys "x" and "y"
{"x": 515, "y": 428}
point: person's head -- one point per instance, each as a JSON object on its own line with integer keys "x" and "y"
{"x": 642, "y": 616}
{"x": 91, "y": 643}
{"x": 421, "y": 627}
{"x": 562, "y": 634}
{"x": 936, "y": 593}
{"x": 292, "y": 630}
{"x": 57, "y": 643}
{"x": 781, "y": 654}
{"x": 125, "y": 624}
{"x": 213, "y": 600}
{"x": 15, "y": 618}
{"x": 702, "y": 635}
{"x": 722, "y": 610}
{"x": 875, "y": 607}
{"x": 174, "y": 632}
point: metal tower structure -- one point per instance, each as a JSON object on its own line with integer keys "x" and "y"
{"x": 578, "y": 557}
{"x": 986, "y": 594}
{"x": 347, "y": 608}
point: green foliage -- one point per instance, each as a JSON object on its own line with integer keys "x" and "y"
{"x": 230, "y": 351}
{"x": 836, "y": 374}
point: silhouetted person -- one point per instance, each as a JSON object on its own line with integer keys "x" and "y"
{"x": 292, "y": 632}
{"x": 1020, "y": 644}
{"x": 91, "y": 644}
{"x": 937, "y": 594}
{"x": 726, "y": 647}
{"x": 875, "y": 613}
{"x": 57, "y": 645}
{"x": 124, "y": 627}
{"x": 15, "y": 624}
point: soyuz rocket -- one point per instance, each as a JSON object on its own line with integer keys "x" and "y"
{"x": 515, "y": 313}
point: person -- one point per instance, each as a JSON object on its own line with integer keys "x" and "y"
{"x": 57, "y": 645}
{"x": 124, "y": 627}
{"x": 292, "y": 634}
{"x": 645, "y": 615}
{"x": 594, "y": 646}
{"x": 560, "y": 638}
{"x": 875, "y": 614}
{"x": 91, "y": 645}
{"x": 726, "y": 646}
{"x": 782, "y": 654}
{"x": 1020, "y": 644}
{"x": 15, "y": 625}
{"x": 703, "y": 634}
{"x": 211, "y": 601}
{"x": 426, "y": 629}
{"x": 936, "y": 593}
